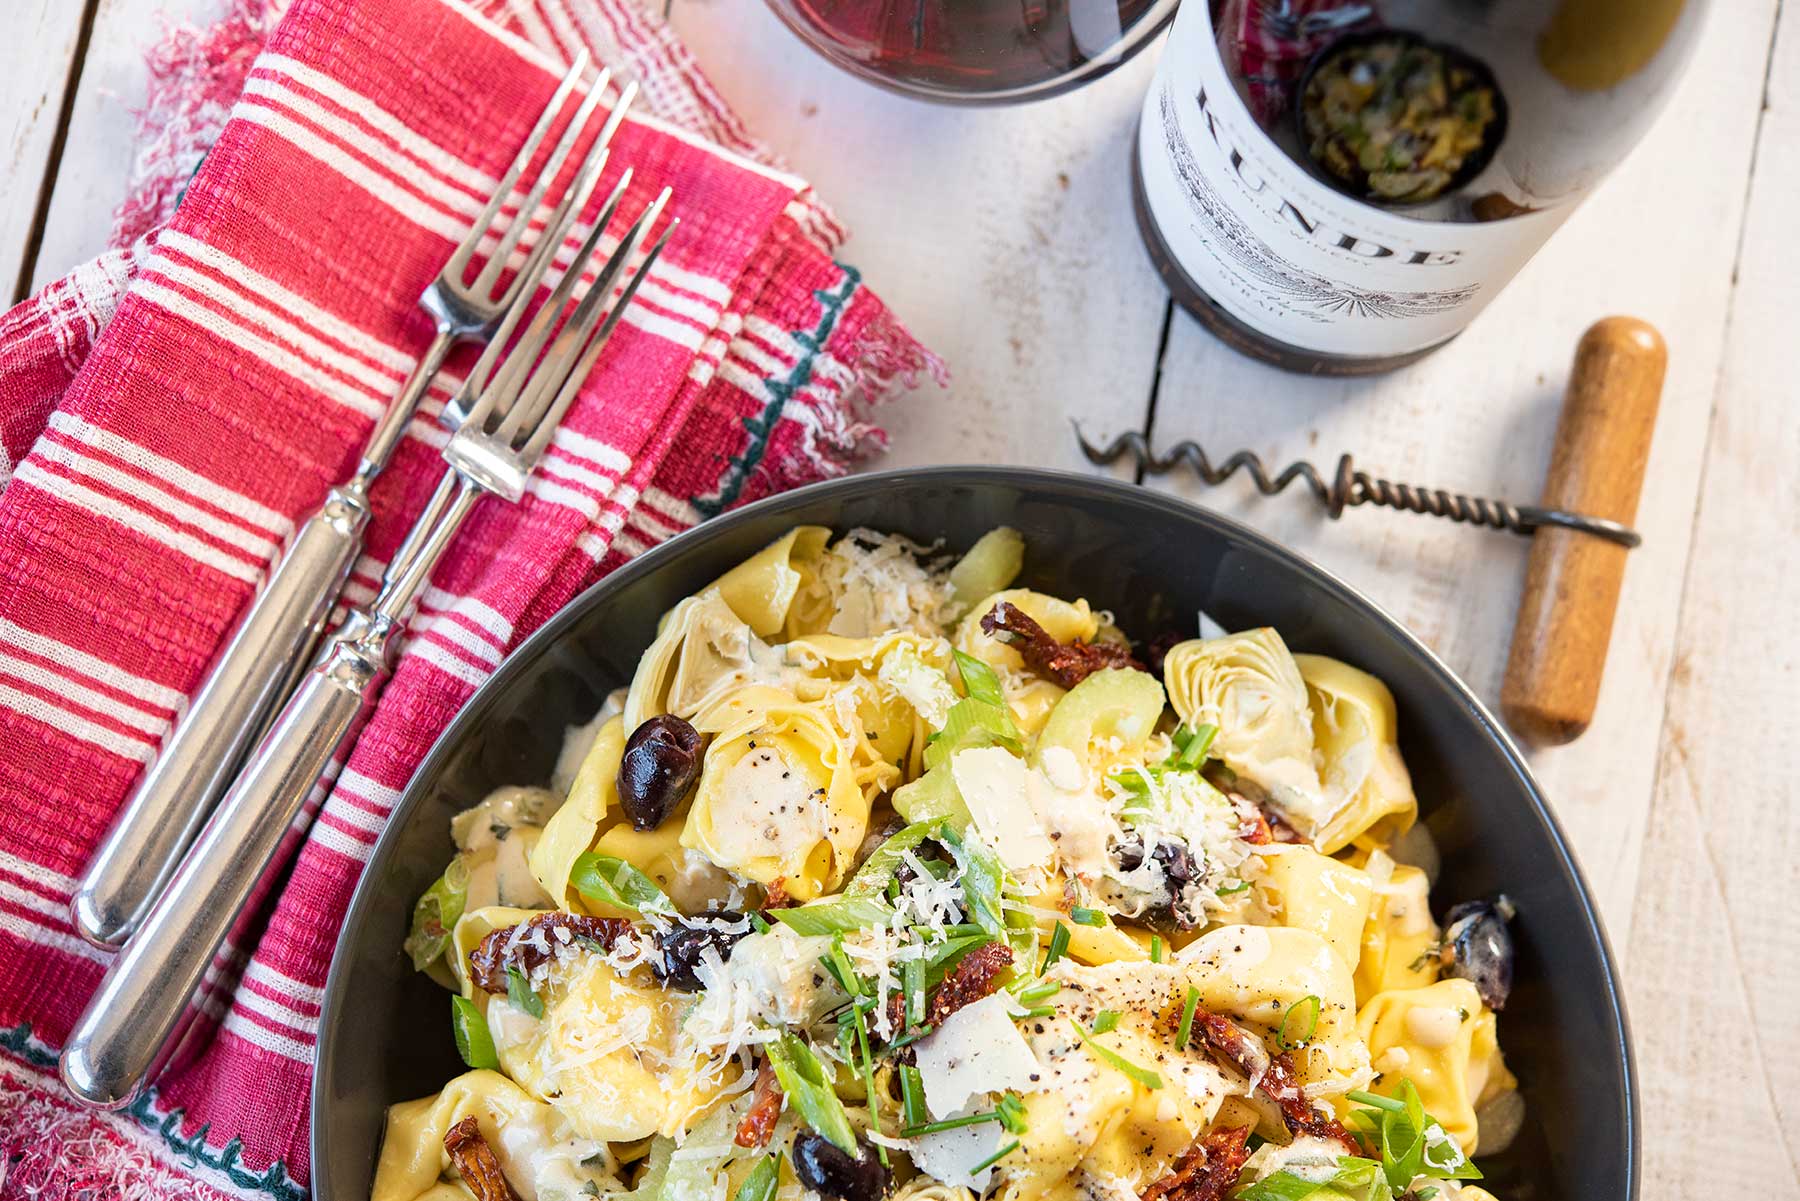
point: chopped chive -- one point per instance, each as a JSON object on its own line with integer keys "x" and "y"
{"x": 911, "y": 1036}
{"x": 1083, "y": 916}
{"x": 1039, "y": 1011}
{"x": 1304, "y": 1012}
{"x": 1240, "y": 886}
{"x": 995, "y": 1158}
{"x": 1188, "y": 1008}
{"x": 1038, "y": 993}
{"x": 759, "y": 921}
{"x": 912, "y": 984}
{"x": 1106, "y": 1021}
{"x": 1059, "y": 946}
{"x": 1011, "y": 1109}
{"x": 1156, "y": 948}
{"x": 1142, "y": 1076}
{"x": 912, "y": 1097}
{"x": 972, "y": 1119}
{"x": 861, "y": 1026}
{"x": 1192, "y": 745}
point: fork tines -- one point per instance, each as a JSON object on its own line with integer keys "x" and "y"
{"x": 487, "y": 224}
{"x": 540, "y": 374}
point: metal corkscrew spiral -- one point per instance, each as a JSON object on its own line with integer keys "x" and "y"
{"x": 1350, "y": 487}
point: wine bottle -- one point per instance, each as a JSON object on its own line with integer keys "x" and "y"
{"x": 1340, "y": 187}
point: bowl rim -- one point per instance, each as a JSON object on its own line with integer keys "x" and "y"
{"x": 1067, "y": 484}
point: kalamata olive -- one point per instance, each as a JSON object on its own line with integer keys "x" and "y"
{"x": 827, "y": 1169}
{"x": 660, "y": 767}
{"x": 1179, "y": 872}
{"x": 685, "y": 944}
{"x": 1479, "y": 949}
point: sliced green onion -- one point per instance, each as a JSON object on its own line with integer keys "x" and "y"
{"x": 880, "y": 868}
{"x": 803, "y": 1078}
{"x": 521, "y": 994}
{"x": 838, "y": 963}
{"x": 609, "y": 880}
{"x": 1299, "y": 1023}
{"x": 1156, "y": 948}
{"x": 912, "y": 1097}
{"x": 837, "y": 916}
{"x": 1081, "y": 915}
{"x": 473, "y": 1040}
{"x": 1189, "y": 1007}
{"x": 435, "y": 914}
{"x": 980, "y": 681}
{"x": 760, "y": 1184}
{"x": 983, "y": 882}
{"x": 1142, "y": 1076}
{"x": 1106, "y": 1021}
{"x": 1059, "y": 946}
{"x": 760, "y": 922}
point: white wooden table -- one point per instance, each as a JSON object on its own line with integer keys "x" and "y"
{"x": 1005, "y": 239}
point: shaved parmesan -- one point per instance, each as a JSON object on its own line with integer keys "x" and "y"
{"x": 995, "y": 785}
{"x": 975, "y": 1051}
{"x": 951, "y": 1155}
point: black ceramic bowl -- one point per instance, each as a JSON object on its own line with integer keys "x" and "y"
{"x": 384, "y": 1034}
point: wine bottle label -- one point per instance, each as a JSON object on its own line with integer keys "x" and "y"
{"x": 1285, "y": 253}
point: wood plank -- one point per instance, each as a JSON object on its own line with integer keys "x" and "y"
{"x": 35, "y": 63}
{"x": 1715, "y": 948}
{"x": 102, "y": 139}
{"x": 1002, "y": 237}
{"x": 1657, "y": 241}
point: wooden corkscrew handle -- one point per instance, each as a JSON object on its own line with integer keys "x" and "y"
{"x": 1572, "y": 582}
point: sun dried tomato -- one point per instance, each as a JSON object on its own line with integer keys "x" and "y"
{"x": 1067, "y": 663}
{"x": 534, "y": 941}
{"x": 475, "y": 1162}
{"x": 1244, "y": 1051}
{"x": 765, "y": 1109}
{"x": 1207, "y": 1170}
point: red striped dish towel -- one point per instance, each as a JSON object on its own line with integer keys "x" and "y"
{"x": 168, "y": 411}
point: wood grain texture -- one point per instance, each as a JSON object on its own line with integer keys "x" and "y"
{"x": 1715, "y": 951}
{"x": 1656, "y": 240}
{"x": 1002, "y": 237}
{"x": 1572, "y": 579}
{"x": 35, "y": 61}
{"x": 101, "y": 143}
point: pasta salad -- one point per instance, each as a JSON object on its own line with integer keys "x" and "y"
{"x": 885, "y": 876}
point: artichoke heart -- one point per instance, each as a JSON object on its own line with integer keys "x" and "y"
{"x": 779, "y": 799}
{"x": 703, "y": 654}
{"x": 1367, "y": 787}
{"x": 1248, "y": 687}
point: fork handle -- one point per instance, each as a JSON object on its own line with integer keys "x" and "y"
{"x": 160, "y": 819}
{"x": 136, "y": 1018}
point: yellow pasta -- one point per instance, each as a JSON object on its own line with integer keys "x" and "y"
{"x": 1356, "y": 732}
{"x": 1442, "y": 1039}
{"x": 1036, "y": 942}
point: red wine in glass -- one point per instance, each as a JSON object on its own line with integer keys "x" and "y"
{"x": 976, "y": 51}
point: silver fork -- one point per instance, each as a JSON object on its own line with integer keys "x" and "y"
{"x": 134, "y": 1020}
{"x": 271, "y": 646}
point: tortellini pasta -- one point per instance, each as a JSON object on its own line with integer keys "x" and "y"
{"x": 843, "y": 871}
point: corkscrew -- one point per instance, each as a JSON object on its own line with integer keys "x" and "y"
{"x": 1581, "y": 529}
{"x": 1350, "y": 487}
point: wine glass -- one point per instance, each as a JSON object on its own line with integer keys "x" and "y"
{"x": 976, "y": 51}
